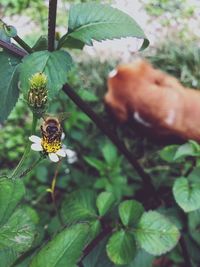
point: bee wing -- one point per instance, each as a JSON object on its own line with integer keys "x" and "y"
{"x": 60, "y": 116}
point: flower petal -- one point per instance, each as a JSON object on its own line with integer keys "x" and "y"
{"x": 63, "y": 136}
{"x": 35, "y": 139}
{"x": 36, "y": 147}
{"x": 71, "y": 156}
{"x": 53, "y": 157}
{"x": 61, "y": 152}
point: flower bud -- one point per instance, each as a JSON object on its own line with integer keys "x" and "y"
{"x": 37, "y": 95}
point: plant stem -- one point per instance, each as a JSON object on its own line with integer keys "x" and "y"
{"x": 31, "y": 167}
{"x": 185, "y": 253}
{"x": 24, "y": 45}
{"x": 26, "y": 151}
{"x": 52, "y": 24}
{"x": 106, "y": 231}
{"x": 53, "y": 184}
{"x": 11, "y": 48}
{"x": 105, "y": 128}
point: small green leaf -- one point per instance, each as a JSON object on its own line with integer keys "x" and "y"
{"x": 168, "y": 153}
{"x": 41, "y": 44}
{"x": 55, "y": 65}
{"x": 11, "y": 192}
{"x": 185, "y": 150}
{"x": 8, "y": 83}
{"x": 130, "y": 212}
{"x": 187, "y": 194}
{"x": 10, "y": 31}
{"x": 18, "y": 232}
{"x": 105, "y": 201}
{"x": 194, "y": 225}
{"x": 109, "y": 153}
{"x": 156, "y": 234}
{"x": 97, "y": 164}
{"x": 121, "y": 247}
{"x": 94, "y": 21}
{"x": 79, "y": 206}
{"x": 64, "y": 250}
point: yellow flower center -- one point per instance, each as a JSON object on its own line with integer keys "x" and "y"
{"x": 50, "y": 147}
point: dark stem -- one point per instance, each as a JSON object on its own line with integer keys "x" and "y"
{"x": 23, "y": 44}
{"x": 107, "y": 230}
{"x": 52, "y": 24}
{"x": 13, "y": 49}
{"x": 185, "y": 253}
{"x": 105, "y": 128}
{"x": 30, "y": 168}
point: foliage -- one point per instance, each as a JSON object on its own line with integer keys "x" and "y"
{"x": 96, "y": 210}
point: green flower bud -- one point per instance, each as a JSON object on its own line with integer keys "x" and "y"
{"x": 37, "y": 95}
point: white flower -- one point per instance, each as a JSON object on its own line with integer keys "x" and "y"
{"x": 53, "y": 151}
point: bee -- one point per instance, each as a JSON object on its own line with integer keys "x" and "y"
{"x": 51, "y": 127}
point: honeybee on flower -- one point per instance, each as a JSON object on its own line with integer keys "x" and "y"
{"x": 51, "y": 141}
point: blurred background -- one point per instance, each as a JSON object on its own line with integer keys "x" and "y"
{"x": 173, "y": 28}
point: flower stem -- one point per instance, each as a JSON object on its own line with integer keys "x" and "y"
{"x": 31, "y": 167}
{"x": 52, "y": 191}
{"x": 18, "y": 168}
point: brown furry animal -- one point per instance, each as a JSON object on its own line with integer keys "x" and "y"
{"x": 155, "y": 99}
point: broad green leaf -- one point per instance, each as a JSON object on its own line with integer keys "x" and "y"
{"x": 55, "y": 65}
{"x": 105, "y": 201}
{"x": 98, "y": 256}
{"x": 11, "y": 192}
{"x": 8, "y": 257}
{"x": 142, "y": 259}
{"x": 156, "y": 234}
{"x": 79, "y": 206}
{"x": 93, "y": 21}
{"x": 130, "y": 212}
{"x": 121, "y": 247}
{"x": 185, "y": 150}
{"x": 18, "y": 232}
{"x": 8, "y": 83}
{"x": 97, "y": 164}
{"x": 168, "y": 153}
{"x": 194, "y": 225}
{"x": 64, "y": 250}
{"x": 187, "y": 194}
{"x": 109, "y": 153}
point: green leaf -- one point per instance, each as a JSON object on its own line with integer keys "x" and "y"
{"x": 142, "y": 259}
{"x": 55, "y": 65}
{"x": 18, "y": 232}
{"x": 11, "y": 192}
{"x": 109, "y": 153}
{"x": 97, "y": 164}
{"x": 105, "y": 201}
{"x": 130, "y": 212}
{"x": 79, "y": 206}
{"x": 156, "y": 234}
{"x": 70, "y": 42}
{"x": 121, "y": 247}
{"x": 187, "y": 194}
{"x": 185, "y": 150}
{"x": 98, "y": 257}
{"x": 41, "y": 44}
{"x": 8, "y": 83}
{"x": 94, "y": 21}
{"x": 194, "y": 225}
{"x": 64, "y": 250}
{"x": 168, "y": 153}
